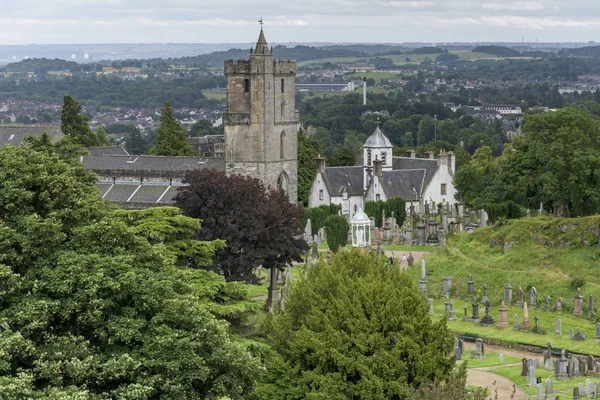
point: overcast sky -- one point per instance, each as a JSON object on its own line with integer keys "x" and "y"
{"x": 235, "y": 21}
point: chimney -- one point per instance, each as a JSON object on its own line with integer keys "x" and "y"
{"x": 377, "y": 167}
{"x": 320, "y": 164}
{"x": 365, "y": 91}
{"x": 411, "y": 153}
{"x": 452, "y": 161}
{"x": 443, "y": 158}
{"x": 430, "y": 155}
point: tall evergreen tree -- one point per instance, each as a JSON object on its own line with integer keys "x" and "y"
{"x": 308, "y": 150}
{"x": 75, "y": 125}
{"x": 171, "y": 135}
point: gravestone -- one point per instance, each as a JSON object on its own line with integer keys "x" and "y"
{"x": 447, "y": 286}
{"x": 524, "y": 367}
{"x": 457, "y": 290}
{"x": 507, "y": 292}
{"x": 315, "y": 250}
{"x": 535, "y": 327}
{"x": 283, "y": 297}
{"x": 570, "y": 333}
{"x": 562, "y": 367}
{"x": 423, "y": 281}
{"x": 559, "y": 304}
{"x": 539, "y": 392}
{"x": 549, "y": 391}
{"x": 519, "y": 302}
{"x": 591, "y": 363}
{"x": 376, "y": 238}
{"x": 583, "y": 336}
{"x": 259, "y": 272}
{"x": 531, "y": 376}
{"x": 501, "y": 358}
{"x": 503, "y": 320}
{"x": 597, "y": 369}
{"x": 308, "y": 231}
{"x": 581, "y": 389}
{"x": 458, "y": 354}
{"x": 576, "y": 373}
{"x": 557, "y": 327}
{"x": 526, "y": 324}
{"x": 547, "y": 302}
{"x": 578, "y": 336}
{"x": 475, "y": 311}
{"x": 516, "y": 325}
{"x": 589, "y": 390}
{"x": 430, "y": 301}
{"x": 280, "y": 277}
{"x": 461, "y": 345}
{"x": 479, "y": 349}
{"x": 591, "y": 308}
{"x": 470, "y": 289}
{"x": 411, "y": 259}
{"x": 576, "y": 395}
{"x": 536, "y": 363}
{"x": 288, "y": 276}
{"x": 484, "y": 299}
{"x": 465, "y": 317}
{"x": 597, "y": 337}
{"x": 548, "y": 364}
{"x": 487, "y": 319}
{"x": 451, "y": 313}
{"x": 533, "y": 297}
{"x": 578, "y": 304}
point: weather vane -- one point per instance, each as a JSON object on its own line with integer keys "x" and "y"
{"x": 260, "y": 21}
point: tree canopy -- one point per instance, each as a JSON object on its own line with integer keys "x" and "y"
{"x": 171, "y": 135}
{"x": 356, "y": 329}
{"x": 89, "y": 308}
{"x": 75, "y": 125}
{"x": 260, "y": 226}
{"x": 308, "y": 150}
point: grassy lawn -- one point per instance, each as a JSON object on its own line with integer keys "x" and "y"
{"x": 546, "y": 321}
{"x": 217, "y": 94}
{"x": 491, "y": 359}
{"x": 391, "y": 247}
{"x": 375, "y": 75}
{"x": 514, "y": 374}
{"x": 334, "y": 60}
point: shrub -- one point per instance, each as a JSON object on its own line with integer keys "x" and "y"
{"x": 396, "y": 205}
{"x": 336, "y": 229}
{"x": 318, "y": 215}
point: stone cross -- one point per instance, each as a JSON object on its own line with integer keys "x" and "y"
{"x": 535, "y": 328}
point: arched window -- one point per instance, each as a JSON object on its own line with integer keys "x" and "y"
{"x": 282, "y": 182}
{"x": 282, "y": 146}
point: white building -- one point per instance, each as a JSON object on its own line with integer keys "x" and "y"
{"x": 380, "y": 176}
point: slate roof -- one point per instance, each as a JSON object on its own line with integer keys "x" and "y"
{"x": 107, "y": 151}
{"x": 407, "y": 163}
{"x": 151, "y": 163}
{"x": 141, "y": 194}
{"x": 11, "y": 134}
{"x": 401, "y": 183}
{"x": 378, "y": 139}
{"x": 338, "y": 177}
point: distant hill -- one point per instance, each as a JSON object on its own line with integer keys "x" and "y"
{"x": 589, "y": 51}
{"x": 428, "y": 50}
{"x": 499, "y": 51}
{"x": 552, "y": 254}
{"x": 38, "y": 65}
{"x": 369, "y": 49}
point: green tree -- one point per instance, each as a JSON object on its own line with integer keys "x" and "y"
{"x": 394, "y": 206}
{"x": 308, "y": 150}
{"x": 336, "y": 229}
{"x": 171, "y": 135}
{"x": 355, "y": 329}
{"x": 343, "y": 156}
{"x": 101, "y": 136}
{"x": 75, "y": 125}
{"x": 89, "y": 308}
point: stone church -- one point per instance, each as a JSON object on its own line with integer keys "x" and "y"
{"x": 261, "y": 124}
{"x": 381, "y": 176}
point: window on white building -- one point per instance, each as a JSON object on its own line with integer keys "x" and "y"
{"x": 443, "y": 189}
{"x": 368, "y": 157}
{"x": 321, "y": 194}
{"x": 377, "y": 197}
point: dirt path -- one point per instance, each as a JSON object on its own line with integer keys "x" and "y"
{"x": 495, "y": 383}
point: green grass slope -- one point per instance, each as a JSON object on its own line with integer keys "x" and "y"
{"x": 554, "y": 255}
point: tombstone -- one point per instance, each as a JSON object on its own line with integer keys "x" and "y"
{"x": 507, "y": 292}
{"x": 259, "y": 272}
{"x": 533, "y": 297}
{"x": 451, "y": 313}
{"x": 536, "y": 363}
{"x": 548, "y": 364}
{"x": 482, "y": 218}
{"x": 557, "y": 327}
{"x": 589, "y": 390}
{"x": 581, "y": 388}
{"x": 591, "y": 362}
{"x": 457, "y": 290}
{"x": 535, "y": 327}
{"x": 539, "y": 392}
{"x": 484, "y": 299}
{"x": 461, "y": 345}
{"x": 598, "y": 389}
{"x": 578, "y": 304}
{"x": 519, "y": 302}
{"x": 283, "y": 297}
{"x": 411, "y": 260}
{"x": 308, "y": 231}
{"x": 549, "y": 391}
{"x": 479, "y": 349}
{"x": 315, "y": 250}
{"x": 430, "y": 301}
{"x": 503, "y": 320}
{"x": 458, "y": 354}
{"x": 548, "y": 302}
{"x": 584, "y": 336}
{"x": 559, "y": 304}
{"x": 470, "y": 290}
{"x": 465, "y": 317}
{"x": 532, "y": 380}
{"x": 376, "y": 236}
{"x": 516, "y": 325}
{"x": 597, "y": 338}
{"x": 526, "y": 324}
{"x": 576, "y": 395}
{"x": 423, "y": 281}
{"x": 475, "y": 312}
{"x": 570, "y": 333}
{"x": 447, "y": 286}
{"x": 501, "y": 358}
{"x": 524, "y": 367}
{"x": 577, "y": 336}
{"x": 597, "y": 369}
{"x": 576, "y": 372}
{"x": 591, "y": 308}
{"x": 562, "y": 367}
{"x": 487, "y": 319}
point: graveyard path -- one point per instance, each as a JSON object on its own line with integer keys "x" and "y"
{"x": 504, "y": 387}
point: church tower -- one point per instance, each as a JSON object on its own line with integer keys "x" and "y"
{"x": 261, "y": 121}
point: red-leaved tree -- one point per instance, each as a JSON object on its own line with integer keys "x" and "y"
{"x": 260, "y": 226}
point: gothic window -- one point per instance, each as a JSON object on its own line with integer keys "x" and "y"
{"x": 369, "y": 157}
{"x": 282, "y": 85}
{"x": 246, "y": 85}
{"x": 282, "y": 146}
{"x": 383, "y": 157}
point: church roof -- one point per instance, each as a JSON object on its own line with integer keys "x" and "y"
{"x": 14, "y": 134}
{"x": 261, "y": 45}
{"x": 400, "y": 183}
{"x": 378, "y": 139}
{"x": 151, "y": 163}
{"x": 350, "y": 177}
{"x": 422, "y": 164}
{"x": 107, "y": 151}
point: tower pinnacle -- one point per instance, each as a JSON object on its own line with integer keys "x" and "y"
{"x": 261, "y": 45}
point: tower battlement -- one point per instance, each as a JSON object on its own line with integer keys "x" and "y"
{"x": 237, "y": 67}
{"x": 285, "y": 66}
